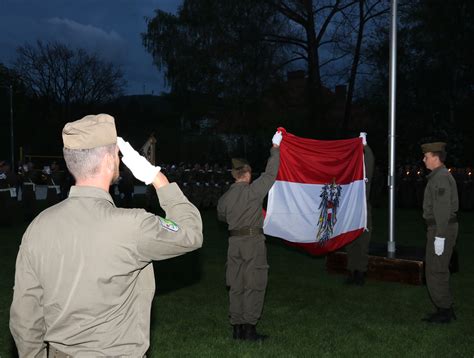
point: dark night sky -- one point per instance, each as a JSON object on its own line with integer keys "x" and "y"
{"x": 110, "y": 28}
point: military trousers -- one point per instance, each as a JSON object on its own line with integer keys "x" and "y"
{"x": 358, "y": 250}
{"x": 437, "y": 267}
{"x": 246, "y": 276}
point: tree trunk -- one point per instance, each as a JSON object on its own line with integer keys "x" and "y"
{"x": 355, "y": 64}
{"x": 314, "y": 93}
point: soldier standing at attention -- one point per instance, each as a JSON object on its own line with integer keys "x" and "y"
{"x": 28, "y": 191}
{"x": 440, "y": 205}
{"x": 358, "y": 250}
{"x": 247, "y": 269}
{"x": 84, "y": 282}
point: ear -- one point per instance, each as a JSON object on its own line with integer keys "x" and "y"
{"x": 109, "y": 162}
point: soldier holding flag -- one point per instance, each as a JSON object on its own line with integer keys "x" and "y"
{"x": 247, "y": 269}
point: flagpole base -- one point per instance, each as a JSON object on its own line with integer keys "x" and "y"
{"x": 391, "y": 249}
{"x": 405, "y": 267}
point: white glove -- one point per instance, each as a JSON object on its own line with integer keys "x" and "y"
{"x": 138, "y": 165}
{"x": 277, "y": 137}
{"x": 363, "y": 135}
{"x": 439, "y": 245}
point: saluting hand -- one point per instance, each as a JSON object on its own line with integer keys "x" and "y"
{"x": 141, "y": 168}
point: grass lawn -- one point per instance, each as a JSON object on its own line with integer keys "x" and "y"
{"x": 307, "y": 313}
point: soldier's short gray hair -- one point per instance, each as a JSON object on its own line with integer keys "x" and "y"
{"x": 85, "y": 163}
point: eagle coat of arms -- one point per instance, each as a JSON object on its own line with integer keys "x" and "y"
{"x": 330, "y": 197}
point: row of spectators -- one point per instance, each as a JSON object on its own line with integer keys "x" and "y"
{"x": 411, "y": 182}
{"x": 204, "y": 184}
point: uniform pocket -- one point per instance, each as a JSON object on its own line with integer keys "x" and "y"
{"x": 259, "y": 278}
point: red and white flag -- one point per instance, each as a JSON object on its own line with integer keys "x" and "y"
{"x": 318, "y": 200}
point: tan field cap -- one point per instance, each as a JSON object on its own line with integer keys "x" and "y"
{"x": 92, "y": 131}
{"x": 238, "y": 163}
{"x": 433, "y": 147}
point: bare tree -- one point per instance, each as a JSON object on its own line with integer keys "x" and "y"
{"x": 311, "y": 26}
{"x": 367, "y": 11}
{"x": 67, "y": 76}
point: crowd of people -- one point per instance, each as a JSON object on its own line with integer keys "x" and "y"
{"x": 204, "y": 183}
{"x": 411, "y": 183}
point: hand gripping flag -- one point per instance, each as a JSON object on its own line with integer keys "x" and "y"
{"x": 318, "y": 200}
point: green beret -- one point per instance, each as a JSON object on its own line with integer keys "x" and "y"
{"x": 89, "y": 132}
{"x": 238, "y": 163}
{"x": 433, "y": 147}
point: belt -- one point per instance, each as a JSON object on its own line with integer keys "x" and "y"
{"x": 432, "y": 222}
{"x": 246, "y": 231}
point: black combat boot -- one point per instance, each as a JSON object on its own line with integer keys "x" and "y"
{"x": 237, "y": 332}
{"x": 350, "y": 280}
{"x": 430, "y": 315}
{"x": 359, "y": 278}
{"x": 250, "y": 333}
{"x": 444, "y": 315}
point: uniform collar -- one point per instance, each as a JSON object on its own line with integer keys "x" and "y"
{"x": 240, "y": 183}
{"x": 437, "y": 170}
{"x": 89, "y": 192}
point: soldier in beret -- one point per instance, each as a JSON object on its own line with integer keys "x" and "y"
{"x": 247, "y": 269}
{"x": 440, "y": 206}
{"x": 84, "y": 281}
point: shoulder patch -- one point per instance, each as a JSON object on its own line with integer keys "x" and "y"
{"x": 168, "y": 224}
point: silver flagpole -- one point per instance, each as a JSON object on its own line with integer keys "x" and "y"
{"x": 392, "y": 106}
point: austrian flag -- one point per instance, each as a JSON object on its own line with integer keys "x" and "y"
{"x": 318, "y": 200}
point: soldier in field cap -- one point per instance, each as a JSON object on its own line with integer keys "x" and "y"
{"x": 84, "y": 282}
{"x": 440, "y": 206}
{"x": 247, "y": 268}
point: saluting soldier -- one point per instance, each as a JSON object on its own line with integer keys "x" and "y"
{"x": 440, "y": 206}
{"x": 247, "y": 269}
{"x": 84, "y": 281}
{"x": 358, "y": 250}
